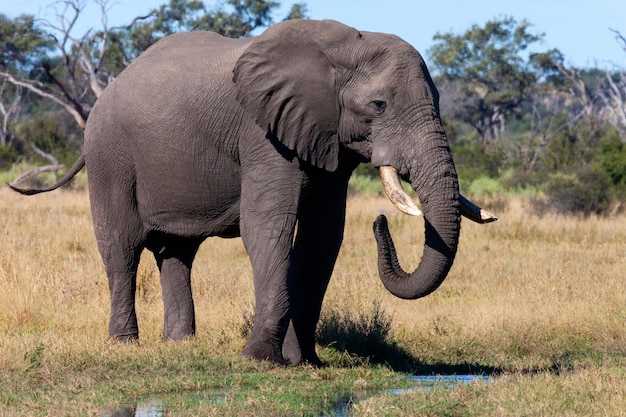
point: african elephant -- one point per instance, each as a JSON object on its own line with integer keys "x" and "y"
{"x": 208, "y": 136}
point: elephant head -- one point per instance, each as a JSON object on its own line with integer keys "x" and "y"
{"x": 318, "y": 88}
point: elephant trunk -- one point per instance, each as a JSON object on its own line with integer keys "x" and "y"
{"x": 435, "y": 181}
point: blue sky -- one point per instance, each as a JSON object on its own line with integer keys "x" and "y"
{"x": 578, "y": 28}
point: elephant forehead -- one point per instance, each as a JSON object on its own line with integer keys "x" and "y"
{"x": 388, "y": 60}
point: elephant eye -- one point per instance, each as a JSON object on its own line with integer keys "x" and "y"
{"x": 379, "y": 106}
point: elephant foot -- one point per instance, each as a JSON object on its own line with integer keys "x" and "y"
{"x": 178, "y": 337}
{"x": 313, "y": 361}
{"x": 294, "y": 356}
{"x": 125, "y": 338}
{"x": 179, "y": 333}
{"x": 310, "y": 360}
{"x": 264, "y": 352}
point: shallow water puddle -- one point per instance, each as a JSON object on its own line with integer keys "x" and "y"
{"x": 342, "y": 406}
{"x": 431, "y": 382}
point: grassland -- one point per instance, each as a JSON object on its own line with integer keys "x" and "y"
{"x": 538, "y": 303}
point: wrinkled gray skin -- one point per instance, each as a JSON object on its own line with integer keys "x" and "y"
{"x": 207, "y": 136}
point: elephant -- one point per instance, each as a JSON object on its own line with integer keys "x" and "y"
{"x": 257, "y": 138}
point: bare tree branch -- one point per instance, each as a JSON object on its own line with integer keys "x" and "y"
{"x": 32, "y": 87}
{"x": 35, "y": 172}
{"x": 45, "y": 155}
{"x": 89, "y": 69}
{"x": 621, "y": 40}
{"x": 12, "y": 112}
{"x": 614, "y": 98}
{"x": 135, "y": 20}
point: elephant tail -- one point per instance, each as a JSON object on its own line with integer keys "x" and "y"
{"x": 78, "y": 165}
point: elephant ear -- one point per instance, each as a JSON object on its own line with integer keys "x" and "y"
{"x": 285, "y": 80}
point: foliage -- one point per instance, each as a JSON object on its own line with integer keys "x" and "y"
{"x": 52, "y": 133}
{"x": 22, "y": 43}
{"x": 585, "y": 192}
{"x": 48, "y": 61}
{"x": 473, "y": 161}
{"x": 365, "y": 184}
{"x": 297, "y": 11}
{"x": 485, "y": 186}
{"x": 613, "y": 162}
{"x": 518, "y": 118}
{"x": 492, "y": 76}
{"x": 572, "y": 147}
{"x": 234, "y": 18}
{"x": 8, "y": 155}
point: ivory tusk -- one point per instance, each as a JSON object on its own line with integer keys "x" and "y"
{"x": 404, "y": 203}
{"x": 395, "y": 192}
{"x": 475, "y": 213}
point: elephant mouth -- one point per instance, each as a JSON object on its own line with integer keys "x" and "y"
{"x": 403, "y": 202}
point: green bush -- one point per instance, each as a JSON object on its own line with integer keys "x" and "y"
{"x": 485, "y": 186}
{"x": 366, "y": 170}
{"x": 365, "y": 184}
{"x": 472, "y": 161}
{"x": 613, "y": 163}
{"x": 8, "y": 155}
{"x": 365, "y": 179}
{"x": 584, "y": 192}
{"x": 53, "y": 133}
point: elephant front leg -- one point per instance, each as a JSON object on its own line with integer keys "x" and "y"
{"x": 320, "y": 233}
{"x": 268, "y": 218}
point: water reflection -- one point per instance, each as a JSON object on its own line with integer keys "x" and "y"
{"x": 342, "y": 406}
{"x": 152, "y": 407}
{"x": 430, "y": 382}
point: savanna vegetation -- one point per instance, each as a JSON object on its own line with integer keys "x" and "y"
{"x": 520, "y": 119}
{"x": 538, "y": 304}
{"x": 535, "y": 301}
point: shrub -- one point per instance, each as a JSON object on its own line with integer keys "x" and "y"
{"x": 485, "y": 186}
{"x": 613, "y": 162}
{"x": 365, "y": 184}
{"x": 364, "y": 335}
{"x": 583, "y": 192}
{"x": 8, "y": 155}
{"x": 472, "y": 161}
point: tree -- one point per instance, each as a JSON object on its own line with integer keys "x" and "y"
{"x": 491, "y": 72}
{"x": 614, "y": 94}
{"x": 297, "y": 11}
{"x": 235, "y": 19}
{"x": 601, "y": 94}
{"x": 48, "y": 61}
{"x": 21, "y": 43}
{"x": 68, "y": 78}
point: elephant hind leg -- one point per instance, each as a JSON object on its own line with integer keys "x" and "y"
{"x": 121, "y": 267}
{"x": 175, "y": 260}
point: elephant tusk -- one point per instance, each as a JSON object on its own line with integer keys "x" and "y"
{"x": 404, "y": 203}
{"x": 395, "y": 192}
{"x": 475, "y": 213}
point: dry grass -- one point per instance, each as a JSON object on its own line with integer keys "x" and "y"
{"x": 518, "y": 286}
{"x": 527, "y": 296}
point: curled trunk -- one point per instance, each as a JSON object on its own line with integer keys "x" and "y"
{"x": 433, "y": 176}
{"x": 441, "y": 232}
